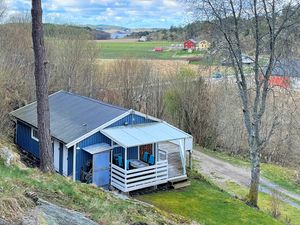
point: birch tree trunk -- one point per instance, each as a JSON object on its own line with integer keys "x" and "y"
{"x": 41, "y": 83}
{"x": 255, "y": 175}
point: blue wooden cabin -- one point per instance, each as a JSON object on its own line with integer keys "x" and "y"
{"x": 104, "y": 144}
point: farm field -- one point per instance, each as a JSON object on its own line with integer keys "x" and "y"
{"x": 166, "y": 62}
{"x": 167, "y": 68}
{"x": 164, "y": 68}
{"x": 133, "y": 49}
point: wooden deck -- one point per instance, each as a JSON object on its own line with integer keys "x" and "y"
{"x": 174, "y": 161}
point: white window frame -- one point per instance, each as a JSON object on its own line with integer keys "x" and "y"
{"x": 33, "y": 137}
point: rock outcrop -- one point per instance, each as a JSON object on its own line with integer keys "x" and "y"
{"x": 46, "y": 213}
{"x": 7, "y": 155}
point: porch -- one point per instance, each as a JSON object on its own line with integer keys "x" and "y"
{"x": 134, "y": 179}
{"x": 148, "y": 155}
{"x": 138, "y": 173}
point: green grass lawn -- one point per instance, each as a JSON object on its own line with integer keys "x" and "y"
{"x": 206, "y": 204}
{"x": 141, "y": 50}
{"x": 188, "y": 54}
{"x": 287, "y": 212}
{"x": 282, "y": 176}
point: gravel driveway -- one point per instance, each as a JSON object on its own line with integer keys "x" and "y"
{"x": 220, "y": 171}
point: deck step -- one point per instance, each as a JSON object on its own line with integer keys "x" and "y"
{"x": 181, "y": 184}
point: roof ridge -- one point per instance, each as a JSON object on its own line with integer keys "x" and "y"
{"x": 93, "y": 100}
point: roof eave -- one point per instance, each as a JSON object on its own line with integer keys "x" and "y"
{"x": 130, "y": 111}
{"x": 77, "y": 140}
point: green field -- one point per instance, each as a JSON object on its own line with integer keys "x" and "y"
{"x": 141, "y": 50}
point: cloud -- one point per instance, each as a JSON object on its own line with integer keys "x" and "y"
{"x": 128, "y": 13}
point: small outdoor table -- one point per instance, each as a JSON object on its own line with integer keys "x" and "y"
{"x": 137, "y": 163}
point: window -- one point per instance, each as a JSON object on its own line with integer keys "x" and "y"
{"x": 34, "y": 134}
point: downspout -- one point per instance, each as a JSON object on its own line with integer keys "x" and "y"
{"x": 74, "y": 161}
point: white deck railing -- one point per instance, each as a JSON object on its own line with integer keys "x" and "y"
{"x": 134, "y": 179}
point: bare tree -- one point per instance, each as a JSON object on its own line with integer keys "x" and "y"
{"x": 189, "y": 102}
{"x": 2, "y": 9}
{"x": 41, "y": 81}
{"x": 266, "y": 21}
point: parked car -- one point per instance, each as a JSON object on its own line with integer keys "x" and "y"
{"x": 247, "y": 60}
{"x": 217, "y": 76}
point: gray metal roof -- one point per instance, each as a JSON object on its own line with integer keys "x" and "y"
{"x": 142, "y": 134}
{"x": 71, "y": 115}
{"x": 97, "y": 148}
{"x": 192, "y": 40}
{"x": 286, "y": 67}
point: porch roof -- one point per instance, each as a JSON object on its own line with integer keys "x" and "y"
{"x": 142, "y": 134}
{"x": 97, "y": 148}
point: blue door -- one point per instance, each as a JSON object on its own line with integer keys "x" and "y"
{"x": 101, "y": 172}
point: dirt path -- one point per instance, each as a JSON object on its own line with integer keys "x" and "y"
{"x": 220, "y": 172}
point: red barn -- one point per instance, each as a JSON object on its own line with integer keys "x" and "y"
{"x": 285, "y": 74}
{"x": 190, "y": 44}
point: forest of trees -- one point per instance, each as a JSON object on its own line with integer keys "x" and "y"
{"x": 178, "y": 33}
{"x": 214, "y": 119}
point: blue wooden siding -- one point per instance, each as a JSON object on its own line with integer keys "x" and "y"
{"x": 82, "y": 156}
{"x": 70, "y": 161}
{"x": 94, "y": 139}
{"x": 24, "y": 140}
{"x": 131, "y": 119}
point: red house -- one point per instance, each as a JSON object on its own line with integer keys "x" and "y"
{"x": 285, "y": 74}
{"x": 190, "y": 44}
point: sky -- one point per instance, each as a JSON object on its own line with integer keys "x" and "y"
{"x": 127, "y": 13}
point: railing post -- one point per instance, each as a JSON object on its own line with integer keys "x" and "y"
{"x": 156, "y": 157}
{"x": 125, "y": 168}
{"x": 167, "y": 158}
{"x": 111, "y": 165}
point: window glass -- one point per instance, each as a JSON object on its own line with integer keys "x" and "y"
{"x": 35, "y": 134}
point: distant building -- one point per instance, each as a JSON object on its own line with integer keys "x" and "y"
{"x": 285, "y": 74}
{"x": 143, "y": 39}
{"x": 203, "y": 45}
{"x": 190, "y": 44}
